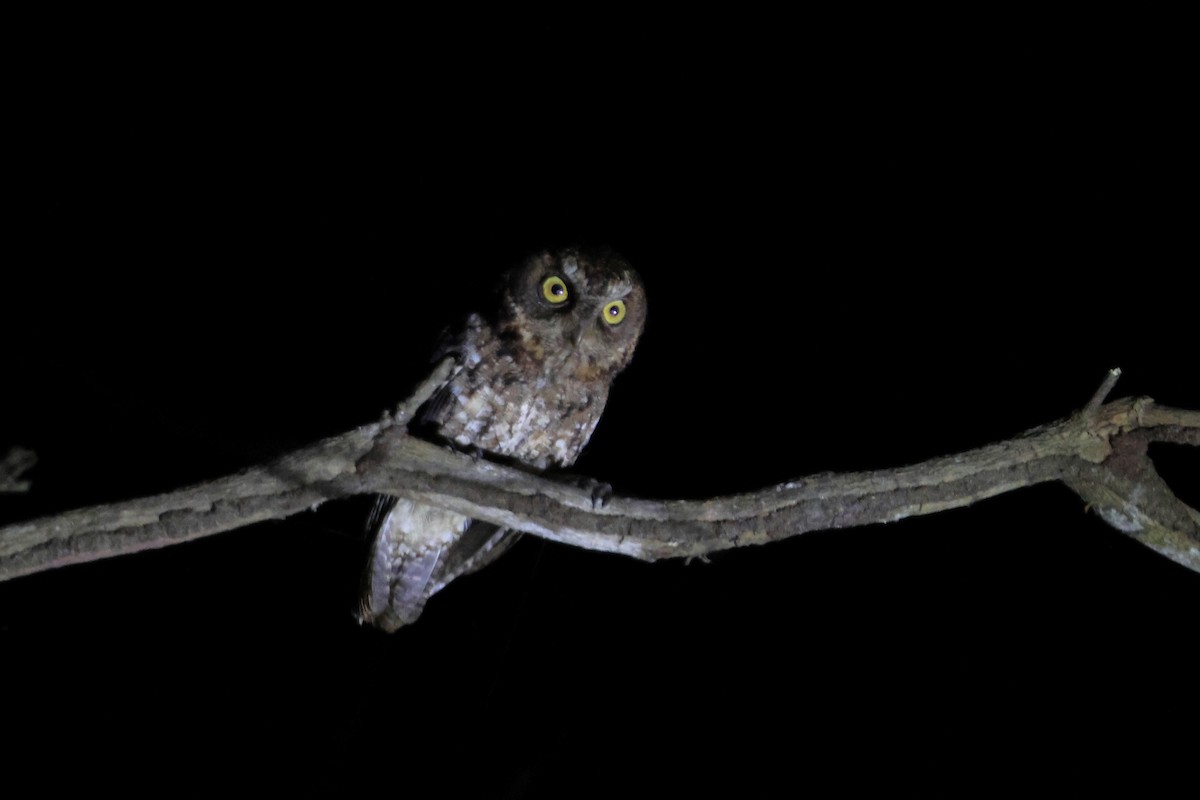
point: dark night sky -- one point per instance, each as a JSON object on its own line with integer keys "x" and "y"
{"x": 840, "y": 277}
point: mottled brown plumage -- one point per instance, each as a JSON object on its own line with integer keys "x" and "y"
{"x": 530, "y": 383}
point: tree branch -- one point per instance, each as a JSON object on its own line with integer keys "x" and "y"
{"x": 1100, "y": 452}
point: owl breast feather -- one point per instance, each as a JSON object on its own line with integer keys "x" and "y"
{"x": 503, "y": 400}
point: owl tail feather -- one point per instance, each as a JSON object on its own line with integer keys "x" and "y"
{"x": 417, "y": 550}
{"x": 396, "y": 590}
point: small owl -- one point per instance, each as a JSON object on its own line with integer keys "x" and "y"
{"x": 529, "y": 382}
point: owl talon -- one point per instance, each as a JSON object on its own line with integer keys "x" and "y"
{"x": 474, "y": 451}
{"x": 600, "y": 491}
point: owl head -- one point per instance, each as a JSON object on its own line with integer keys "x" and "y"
{"x": 583, "y": 308}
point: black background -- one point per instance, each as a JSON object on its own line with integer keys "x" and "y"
{"x": 850, "y": 264}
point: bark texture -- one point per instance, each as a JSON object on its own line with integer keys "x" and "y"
{"x": 1101, "y": 453}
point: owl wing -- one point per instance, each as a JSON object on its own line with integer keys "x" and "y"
{"x": 412, "y": 544}
{"x": 434, "y": 411}
{"x": 417, "y": 550}
{"x": 482, "y": 544}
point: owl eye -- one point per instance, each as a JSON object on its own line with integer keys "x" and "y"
{"x": 614, "y": 312}
{"x": 554, "y": 290}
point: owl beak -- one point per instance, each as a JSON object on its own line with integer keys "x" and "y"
{"x": 573, "y": 336}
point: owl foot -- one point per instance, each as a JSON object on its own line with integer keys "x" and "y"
{"x": 476, "y": 453}
{"x": 600, "y": 491}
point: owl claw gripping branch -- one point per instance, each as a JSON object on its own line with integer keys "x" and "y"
{"x": 529, "y": 383}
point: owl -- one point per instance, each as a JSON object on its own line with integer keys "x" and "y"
{"x": 529, "y": 383}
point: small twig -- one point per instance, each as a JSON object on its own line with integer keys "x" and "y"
{"x": 437, "y": 378}
{"x": 17, "y": 461}
{"x": 1110, "y": 380}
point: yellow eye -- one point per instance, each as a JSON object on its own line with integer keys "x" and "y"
{"x": 554, "y": 290}
{"x": 614, "y": 312}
